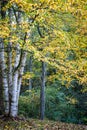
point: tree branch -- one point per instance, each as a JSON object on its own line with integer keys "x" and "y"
{"x": 22, "y": 52}
{"x": 38, "y": 28}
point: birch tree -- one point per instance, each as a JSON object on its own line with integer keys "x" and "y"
{"x": 11, "y": 73}
{"x": 1, "y": 94}
{"x": 3, "y": 65}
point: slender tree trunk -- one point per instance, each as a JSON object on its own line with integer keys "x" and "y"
{"x": 19, "y": 64}
{"x": 4, "y": 77}
{"x": 15, "y": 83}
{"x": 10, "y": 84}
{"x": 42, "y": 94}
{"x": 10, "y": 73}
{"x": 21, "y": 70}
{"x": 17, "y": 79}
{"x": 2, "y": 63}
{"x": 1, "y": 94}
{"x": 30, "y": 70}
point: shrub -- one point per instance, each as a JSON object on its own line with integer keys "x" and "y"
{"x": 58, "y": 106}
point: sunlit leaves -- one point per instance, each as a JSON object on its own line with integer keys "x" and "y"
{"x": 63, "y": 25}
{"x": 4, "y": 29}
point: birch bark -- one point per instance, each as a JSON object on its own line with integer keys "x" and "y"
{"x": 10, "y": 62}
{"x": 13, "y": 110}
{"x": 12, "y": 74}
{"x": 14, "y": 102}
{"x": 1, "y": 94}
{"x": 4, "y": 77}
{"x": 21, "y": 70}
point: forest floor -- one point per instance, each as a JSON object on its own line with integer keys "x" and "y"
{"x": 35, "y": 124}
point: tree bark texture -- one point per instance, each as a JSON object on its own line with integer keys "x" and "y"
{"x": 30, "y": 70}
{"x": 4, "y": 77}
{"x": 1, "y": 94}
{"x": 11, "y": 79}
{"x": 11, "y": 72}
{"x": 42, "y": 94}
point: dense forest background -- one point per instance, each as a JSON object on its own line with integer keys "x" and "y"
{"x": 62, "y": 103}
{"x": 43, "y": 59}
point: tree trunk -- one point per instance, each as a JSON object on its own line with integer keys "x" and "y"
{"x": 4, "y": 77}
{"x": 15, "y": 83}
{"x": 11, "y": 73}
{"x": 42, "y": 94}
{"x": 21, "y": 70}
{"x": 1, "y": 94}
{"x": 30, "y": 70}
{"x": 10, "y": 83}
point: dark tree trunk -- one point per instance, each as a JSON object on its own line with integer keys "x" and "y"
{"x": 42, "y": 94}
{"x": 3, "y": 4}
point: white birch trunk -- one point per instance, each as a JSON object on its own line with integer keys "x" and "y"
{"x": 1, "y": 94}
{"x": 10, "y": 62}
{"x": 12, "y": 82}
{"x": 4, "y": 77}
{"x": 13, "y": 112}
{"x": 14, "y": 103}
{"x": 10, "y": 72}
{"x": 21, "y": 70}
